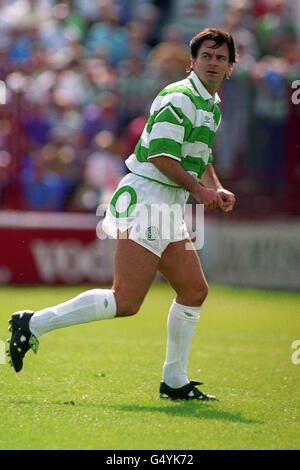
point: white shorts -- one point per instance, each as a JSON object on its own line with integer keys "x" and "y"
{"x": 153, "y": 212}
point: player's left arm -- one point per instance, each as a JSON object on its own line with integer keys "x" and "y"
{"x": 210, "y": 179}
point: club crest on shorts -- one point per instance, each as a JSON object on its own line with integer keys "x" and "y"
{"x": 152, "y": 233}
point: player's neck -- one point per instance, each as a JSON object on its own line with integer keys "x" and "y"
{"x": 211, "y": 90}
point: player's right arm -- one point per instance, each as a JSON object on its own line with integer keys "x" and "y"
{"x": 173, "y": 170}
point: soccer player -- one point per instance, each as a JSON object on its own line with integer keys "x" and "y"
{"x": 172, "y": 160}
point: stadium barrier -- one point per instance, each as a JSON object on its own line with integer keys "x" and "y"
{"x": 60, "y": 248}
{"x": 253, "y": 254}
{"x": 53, "y": 248}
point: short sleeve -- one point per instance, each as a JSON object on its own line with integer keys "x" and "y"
{"x": 167, "y": 132}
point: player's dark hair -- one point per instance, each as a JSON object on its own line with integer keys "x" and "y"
{"x": 219, "y": 37}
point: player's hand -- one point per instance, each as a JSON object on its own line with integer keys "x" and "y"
{"x": 227, "y": 200}
{"x": 210, "y": 198}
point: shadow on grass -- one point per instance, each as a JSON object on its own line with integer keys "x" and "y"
{"x": 190, "y": 409}
{"x": 181, "y": 409}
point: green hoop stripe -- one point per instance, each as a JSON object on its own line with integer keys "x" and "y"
{"x": 130, "y": 208}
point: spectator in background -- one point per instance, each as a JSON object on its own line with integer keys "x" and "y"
{"x": 108, "y": 36}
{"x": 169, "y": 58}
{"x": 238, "y": 15}
{"x": 274, "y": 27}
{"x": 148, "y": 15}
{"x": 102, "y": 171}
{"x": 102, "y": 116}
{"x": 51, "y": 173}
{"x": 271, "y": 100}
{"x": 42, "y": 189}
{"x": 193, "y": 15}
{"x": 54, "y": 33}
{"x": 37, "y": 125}
{"x": 136, "y": 84}
{"x": 99, "y": 78}
{"x": 137, "y": 45}
{"x": 20, "y": 50}
{"x": 88, "y": 9}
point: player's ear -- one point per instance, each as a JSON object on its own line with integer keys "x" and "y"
{"x": 229, "y": 70}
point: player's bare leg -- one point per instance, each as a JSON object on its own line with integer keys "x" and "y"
{"x": 182, "y": 268}
{"x": 134, "y": 270}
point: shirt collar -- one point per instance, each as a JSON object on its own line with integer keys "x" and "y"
{"x": 202, "y": 90}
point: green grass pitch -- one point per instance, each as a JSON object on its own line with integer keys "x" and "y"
{"x": 95, "y": 386}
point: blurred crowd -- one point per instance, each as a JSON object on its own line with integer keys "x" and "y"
{"x": 80, "y": 76}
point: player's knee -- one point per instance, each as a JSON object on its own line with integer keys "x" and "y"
{"x": 127, "y": 308}
{"x": 194, "y": 294}
{"x": 127, "y": 305}
{"x": 204, "y": 292}
{"x": 199, "y": 293}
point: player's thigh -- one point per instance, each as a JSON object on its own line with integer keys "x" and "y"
{"x": 134, "y": 270}
{"x": 182, "y": 268}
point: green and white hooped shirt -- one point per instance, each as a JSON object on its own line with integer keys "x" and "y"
{"x": 182, "y": 125}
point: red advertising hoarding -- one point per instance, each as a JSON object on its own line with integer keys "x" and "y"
{"x": 53, "y": 248}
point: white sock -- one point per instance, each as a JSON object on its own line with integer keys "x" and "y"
{"x": 182, "y": 321}
{"x": 91, "y": 305}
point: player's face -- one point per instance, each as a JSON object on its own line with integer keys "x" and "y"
{"x": 212, "y": 65}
